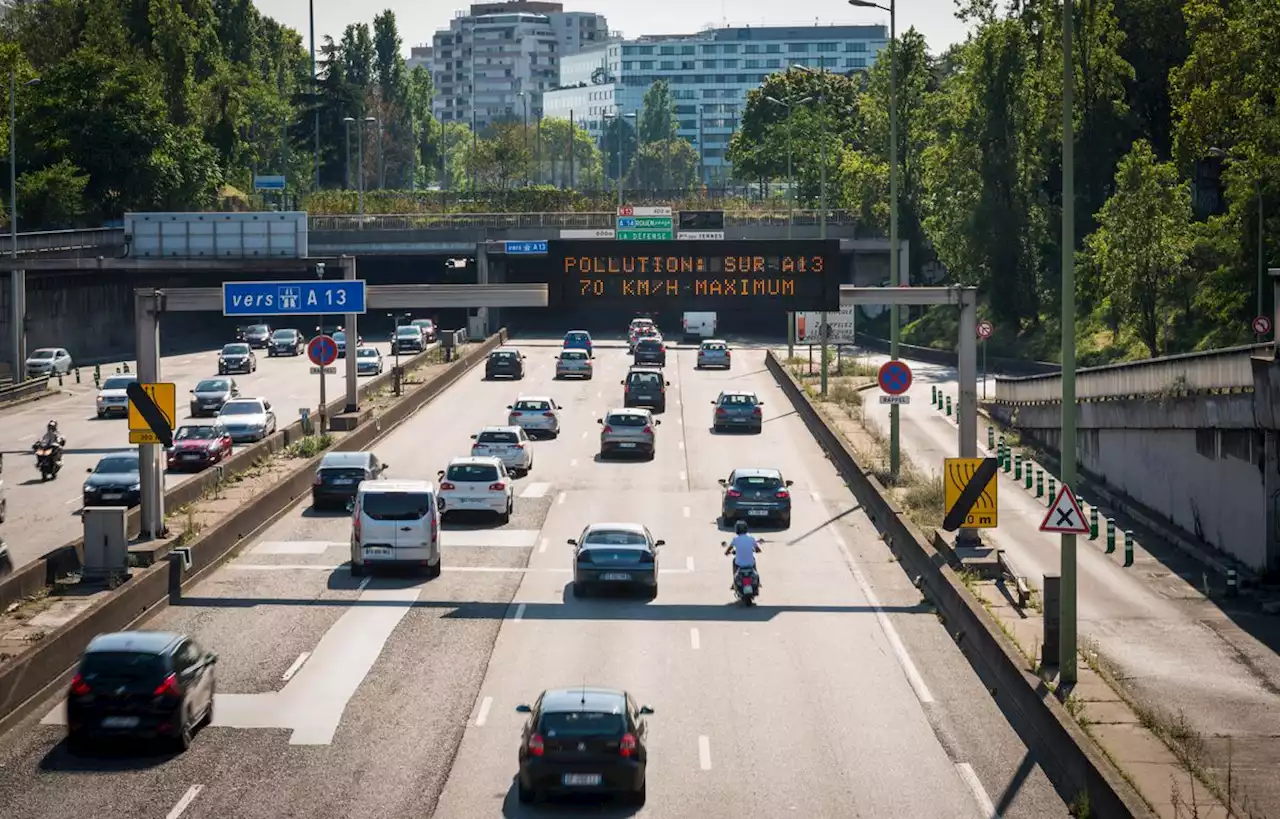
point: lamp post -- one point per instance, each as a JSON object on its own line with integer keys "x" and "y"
{"x": 1257, "y": 192}
{"x": 346, "y": 172}
{"x": 524, "y": 99}
{"x": 360, "y": 157}
{"x": 17, "y": 278}
{"x": 382, "y": 159}
{"x": 1067, "y": 567}
{"x": 791, "y": 203}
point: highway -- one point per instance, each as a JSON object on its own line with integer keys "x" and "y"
{"x": 840, "y": 695}
{"x": 43, "y": 515}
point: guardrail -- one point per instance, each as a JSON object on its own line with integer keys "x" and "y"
{"x": 551, "y": 221}
{"x": 11, "y": 392}
{"x": 50, "y": 241}
{"x": 1226, "y": 370}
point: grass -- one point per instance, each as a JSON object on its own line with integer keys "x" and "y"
{"x": 309, "y": 447}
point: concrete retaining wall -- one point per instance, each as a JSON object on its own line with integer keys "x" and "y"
{"x": 27, "y": 680}
{"x": 1064, "y": 751}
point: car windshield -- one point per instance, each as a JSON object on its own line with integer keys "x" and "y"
{"x": 340, "y": 337}
{"x": 125, "y": 666}
{"x": 576, "y": 337}
{"x": 42, "y": 354}
{"x": 117, "y": 464}
{"x": 236, "y": 349}
{"x": 649, "y": 344}
{"x": 424, "y": 323}
{"x": 397, "y": 505}
{"x": 757, "y": 482}
{"x": 503, "y": 357}
{"x": 471, "y": 473}
{"x": 626, "y": 421}
{"x": 573, "y": 355}
{"x": 738, "y": 400}
{"x": 259, "y": 328}
{"x": 614, "y": 537}
{"x": 118, "y": 383}
{"x": 242, "y": 408}
{"x": 581, "y": 724}
{"x": 531, "y": 406}
{"x": 647, "y": 380}
{"x": 497, "y": 438}
{"x": 367, "y": 352}
{"x": 203, "y": 433}
{"x": 719, "y": 348}
{"x": 283, "y": 335}
{"x": 409, "y": 332}
{"x": 213, "y": 385}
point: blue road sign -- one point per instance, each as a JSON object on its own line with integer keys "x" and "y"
{"x": 268, "y": 183}
{"x": 626, "y": 222}
{"x": 517, "y": 248}
{"x": 304, "y": 298}
{"x": 895, "y": 377}
{"x": 322, "y": 350}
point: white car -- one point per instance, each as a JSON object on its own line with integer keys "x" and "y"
{"x": 476, "y": 485}
{"x": 537, "y": 414}
{"x": 52, "y": 361}
{"x": 508, "y": 444}
{"x": 113, "y": 398}
{"x": 248, "y": 419}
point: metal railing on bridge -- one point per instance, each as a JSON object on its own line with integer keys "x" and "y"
{"x": 1213, "y": 371}
{"x": 52, "y": 241}
{"x": 550, "y": 221}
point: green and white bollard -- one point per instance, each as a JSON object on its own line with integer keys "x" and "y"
{"x": 1029, "y": 470}
{"x": 77, "y": 375}
{"x": 97, "y": 376}
{"x": 1053, "y": 489}
{"x": 1233, "y": 585}
{"x": 1128, "y": 548}
{"x": 948, "y": 406}
{"x": 1039, "y": 482}
{"x": 933, "y": 393}
{"x": 1111, "y": 535}
{"x": 1017, "y": 466}
{"x": 1008, "y": 456}
{"x": 1093, "y": 523}
{"x": 991, "y": 437}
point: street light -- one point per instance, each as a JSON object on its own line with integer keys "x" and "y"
{"x": 17, "y": 278}
{"x": 791, "y": 203}
{"x": 1257, "y": 191}
{"x": 360, "y": 157}
{"x": 382, "y": 160}
{"x": 525, "y": 100}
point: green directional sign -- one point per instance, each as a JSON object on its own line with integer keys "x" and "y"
{"x": 645, "y": 235}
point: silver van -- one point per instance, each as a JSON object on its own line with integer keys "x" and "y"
{"x": 395, "y": 524}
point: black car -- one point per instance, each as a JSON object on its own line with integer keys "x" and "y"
{"x": 507, "y": 363}
{"x": 237, "y": 358}
{"x": 339, "y": 475}
{"x": 651, "y": 351}
{"x": 286, "y": 342}
{"x": 258, "y": 335}
{"x": 615, "y": 555}
{"x": 645, "y": 388}
{"x": 141, "y": 684}
{"x": 210, "y": 394}
{"x": 583, "y": 740}
{"x": 114, "y": 481}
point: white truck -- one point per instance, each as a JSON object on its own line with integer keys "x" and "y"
{"x": 698, "y": 326}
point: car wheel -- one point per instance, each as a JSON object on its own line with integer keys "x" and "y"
{"x": 4, "y": 510}
{"x": 525, "y": 795}
{"x": 785, "y": 520}
{"x": 727, "y": 518}
{"x": 661, "y": 408}
{"x": 207, "y": 720}
{"x": 653, "y": 453}
{"x": 434, "y": 571}
{"x": 102, "y": 415}
{"x": 505, "y": 517}
{"x": 716, "y": 428}
{"x": 181, "y": 739}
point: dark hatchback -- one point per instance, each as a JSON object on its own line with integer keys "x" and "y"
{"x": 339, "y": 475}
{"x": 504, "y": 363}
{"x": 258, "y": 336}
{"x": 645, "y": 388}
{"x": 651, "y": 351}
{"x": 584, "y": 740}
{"x": 141, "y": 684}
{"x": 756, "y": 494}
{"x": 286, "y": 342}
{"x": 210, "y": 394}
{"x": 114, "y": 481}
{"x": 615, "y": 555}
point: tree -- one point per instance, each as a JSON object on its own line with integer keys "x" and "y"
{"x": 618, "y": 137}
{"x": 1142, "y": 243}
{"x": 501, "y": 160}
{"x": 665, "y": 165}
{"x": 562, "y": 165}
{"x": 657, "y": 119}
{"x": 52, "y": 197}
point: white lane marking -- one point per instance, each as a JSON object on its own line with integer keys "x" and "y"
{"x": 599, "y": 395}
{"x": 704, "y": 752}
{"x": 519, "y": 613}
{"x": 295, "y": 547}
{"x": 687, "y": 512}
{"x": 979, "y": 793}
{"x": 73, "y": 500}
{"x": 683, "y": 476}
{"x": 584, "y": 433}
{"x": 293, "y": 669}
{"x": 185, "y": 801}
{"x": 363, "y": 583}
{"x": 561, "y": 498}
{"x": 816, "y": 497}
{"x": 504, "y": 538}
{"x": 573, "y": 462}
{"x": 695, "y": 641}
{"x": 536, "y": 490}
{"x": 890, "y": 633}
{"x": 680, "y": 444}
{"x": 688, "y": 564}
{"x": 542, "y": 547}
{"x": 483, "y": 716}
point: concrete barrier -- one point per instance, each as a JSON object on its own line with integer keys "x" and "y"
{"x": 36, "y": 673}
{"x": 1069, "y": 757}
{"x": 26, "y": 391}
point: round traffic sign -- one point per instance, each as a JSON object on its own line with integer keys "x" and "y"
{"x": 1262, "y": 325}
{"x": 895, "y": 377}
{"x": 322, "y": 350}
{"x": 985, "y": 329}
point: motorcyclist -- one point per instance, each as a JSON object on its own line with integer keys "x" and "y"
{"x": 744, "y": 548}
{"x": 52, "y": 439}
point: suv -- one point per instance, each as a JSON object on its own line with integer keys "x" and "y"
{"x": 339, "y": 475}
{"x": 652, "y": 350}
{"x": 506, "y": 363}
{"x": 395, "y": 523}
{"x": 286, "y": 342}
{"x": 258, "y": 335}
{"x": 645, "y": 387}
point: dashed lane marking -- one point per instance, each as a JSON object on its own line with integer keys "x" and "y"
{"x": 687, "y": 512}
{"x": 695, "y": 641}
{"x": 688, "y": 564}
{"x": 519, "y": 613}
{"x": 683, "y": 476}
{"x": 816, "y": 497}
{"x": 680, "y": 444}
{"x": 542, "y": 547}
{"x": 560, "y": 500}
{"x": 536, "y": 490}
{"x": 704, "y": 752}
{"x": 483, "y": 716}
{"x": 185, "y": 801}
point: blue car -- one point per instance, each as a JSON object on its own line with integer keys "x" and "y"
{"x": 579, "y": 340}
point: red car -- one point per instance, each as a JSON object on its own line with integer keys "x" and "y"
{"x": 196, "y": 446}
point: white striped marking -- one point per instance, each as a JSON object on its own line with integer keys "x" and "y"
{"x": 979, "y": 793}
{"x": 704, "y": 752}
{"x": 542, "y": 547}
{"x": 573, "y": 462}
{"x": 816, "y": 497}
{"x": 695, "y": 641}
{"x": 536, "y": 490}
{"x": 293, "y": 669}
{"x": 363, "y": 583}
{"x": 683, "y": 476}
{"x": 688, "y": 563}
{"x": 584, "y": 433}
{"x": 680, "y": 444}
{"x": 185, "y": 801}
{"x": 560, "y": 499}
{"x": 519, "y": 613}
{"x": 687, "y": 512}
{"x": 483, "y": 716}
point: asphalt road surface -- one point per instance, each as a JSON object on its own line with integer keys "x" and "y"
{"x": 839, "y": 696}
{"x": 42, "y": 515}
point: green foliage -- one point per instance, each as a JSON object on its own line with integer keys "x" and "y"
{"x": 657, "y": 120}
{"x": 52, "y": 197}
{"x": 665, "y": 165}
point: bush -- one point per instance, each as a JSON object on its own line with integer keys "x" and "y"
{"x": 309, "y": 447}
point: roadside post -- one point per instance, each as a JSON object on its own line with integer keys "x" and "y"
{"x": 1093, "y": 522}
{"x": 894, "y": 379}
{"x": 152, "y": 411}
{"x": 1039, "y": 482}
{"x": 1017, "y": 466}
{"x": 1053, "y": 487}
{"x": 1128, "y": 548}
{"x": 1111, "y": 535}
{"x": 991, "y": 436}
{"x": 985, "y": 329}
{"x": 323, "y": 351}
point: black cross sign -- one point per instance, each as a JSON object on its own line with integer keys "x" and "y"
{"x": 150, "y": 413}
{"x": 1064, "y": 518}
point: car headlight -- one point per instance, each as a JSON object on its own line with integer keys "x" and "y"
{"x": 136, "y": 487}
{"x": 100, "y": 399}
{"x": 86, "y": 488}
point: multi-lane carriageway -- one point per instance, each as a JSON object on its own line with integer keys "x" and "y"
{"x": 839, "y": 696}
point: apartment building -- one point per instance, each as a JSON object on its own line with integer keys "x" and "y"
{"x": 419, "y": 55}
{"x": 709, "y": 73}
{"x": 496, "y": 60}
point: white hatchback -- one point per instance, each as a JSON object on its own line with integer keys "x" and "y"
{"x": 537, "y": 414}
{"x": 476, "y": 485}
{"x": 508, "y": 444}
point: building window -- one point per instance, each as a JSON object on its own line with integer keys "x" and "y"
{"x": 708, "y": 63}
{"x": 709, "y": 93}
{"x": 798, "y": 48}
{"x": 646, "y": 49}
{"x": 730, "y": 63}
{"x": 1237, "y": 443}
{"x": 668, "y": 50}
{"x": 626, "y": 65}
{"x": 751, "y": 49}
{"x": 752, "y": 64}
{"x": 687, "y": 65}
{"x": 826, "y": 48}
{"x": 731, "y": 49}
{"x": 856, "y": 48}
{"x": 667, "y": 65}
{"x": 646, "y": 65}
{"x": 708, "y": 49}
{"x": 773, "y": 64}
{"x": 773, "y": 48}
{"x": 686, "y": 50}
{"x": 856, "y": 62}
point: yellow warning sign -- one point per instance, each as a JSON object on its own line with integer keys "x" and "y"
{"x": 971, "y": 501}
{"x": 165, "y": 397}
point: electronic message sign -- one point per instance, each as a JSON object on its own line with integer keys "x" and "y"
{"x": 799, "y": 274}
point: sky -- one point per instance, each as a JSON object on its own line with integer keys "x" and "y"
{"x": 419, "y": 19}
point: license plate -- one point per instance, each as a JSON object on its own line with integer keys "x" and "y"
{"x": 191, "y": 456}
{"x": 342, "y": 481}
{"x": 615, "y": 576}
{"x": 759, "y": 513}
{"x": 112, "y": 495}
{"x": 582, "y": 779}
{"x": 644, "y": 397}
{"x": 627, "y": 446}
{"x": 120, "y": 722}
{"x": 377, "y": 551}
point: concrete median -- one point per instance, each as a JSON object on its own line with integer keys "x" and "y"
{"x": 27, "y": 679}
{"x": 1068, "y": 756}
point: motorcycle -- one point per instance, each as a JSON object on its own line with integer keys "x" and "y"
{"x": 746, "y": 581}
{"x": 48, "y": 461}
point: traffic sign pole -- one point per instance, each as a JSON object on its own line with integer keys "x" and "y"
{"x": 147, "y": 306}
{"x": 323, "y": 351}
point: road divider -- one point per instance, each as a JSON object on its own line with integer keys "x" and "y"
{"x": 1075, "y": 765}
{"x": 38, "y": 671}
